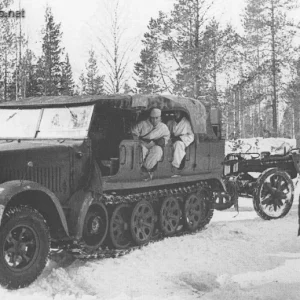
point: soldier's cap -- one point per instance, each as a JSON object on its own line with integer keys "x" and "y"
{"x": 155, "y": 112}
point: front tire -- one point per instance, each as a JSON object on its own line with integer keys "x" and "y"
{"x": 24, "y": 247}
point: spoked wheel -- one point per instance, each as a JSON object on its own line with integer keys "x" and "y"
{"x": 194, "y": 211}
{"x": 24, "y": 247}
{"x": 119, "y": 227}
{"x": 169, "y": 216}
{"x": 274, "y": 194}
{"x": 95, "y": 226}
{"x": 142, "y": 222}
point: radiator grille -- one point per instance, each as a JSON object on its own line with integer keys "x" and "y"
{"x": 51, "y": 177}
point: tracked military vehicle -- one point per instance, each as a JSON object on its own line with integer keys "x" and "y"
{"x": 70, "y": 178}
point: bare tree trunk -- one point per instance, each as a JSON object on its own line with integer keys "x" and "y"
{"x": 196, "y": 79}
{"x": 237, "y": 129}
{"x": 20, "y": 57}
{"x": 227, "y": 126}
{"x": 259, "y": 93}
{"x": 17, "y": 72}
{"x": 5, "y": 75}
{"x": 274, "y": 83}
{"x": 296, "y": 125}
{"x": 240, "y": 111}
{"x": 253, "y": 117}
{"x": 259, "y": 120}
{"x": 234, "y": 113}
{"x": 215, "y": 74}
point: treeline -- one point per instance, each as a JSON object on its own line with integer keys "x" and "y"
{"x": 253, "y": 77}
{"x": 23, "y": 74}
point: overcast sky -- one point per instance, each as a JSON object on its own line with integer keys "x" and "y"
{"x": 81, "y": 21}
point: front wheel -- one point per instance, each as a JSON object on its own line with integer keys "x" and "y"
{"x": 24, "y": 247}
{"x": 273, "y": 195}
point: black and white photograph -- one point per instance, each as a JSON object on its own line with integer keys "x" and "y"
{"x": 149, "y": 149}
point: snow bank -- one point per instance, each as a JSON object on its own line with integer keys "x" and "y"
{"x": 258, "y": 145}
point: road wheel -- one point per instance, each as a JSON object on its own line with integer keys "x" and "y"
{"x": 142, "y": 222}
{"x": 169, "y": 216}
{"x": 198, "y": 210}
{"x": 95, "y": 226}
{"x": 24, "y": 247}
{"x": 273, "y": 195}
{"x": 119, "y": 227}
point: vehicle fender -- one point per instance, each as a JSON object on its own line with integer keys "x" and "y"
{"x": 10, "y": 189}
{"x": 79, "y": 205}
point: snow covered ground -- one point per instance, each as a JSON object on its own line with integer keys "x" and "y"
{"x": 235, "y": 257}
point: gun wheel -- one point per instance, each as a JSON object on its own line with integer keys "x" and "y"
{"x": 273, "y": 195}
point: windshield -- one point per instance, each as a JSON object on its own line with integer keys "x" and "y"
{"x": 18, "y": 123}
{"x": 63, "y": 122}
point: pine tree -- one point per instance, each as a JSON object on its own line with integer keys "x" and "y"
{"x": 40, "y": 76}
{"x": 127, "y": 88}
{"x": 51, "y": 55}
{"x": 94, "y": 82}
{"x": 221, "y": 52}
{"x": 269, "y": 36}
{"x": 147, "y": 70}
{"x": 292, "y": 95}
{"x": 7, "y": 56}
{"x": 181, "y": 55}
{"x": 82, "y": 85}
{"x": 30, "y": 83}
{"x": 67, "y": 83}
{"x": 185, "y": 30}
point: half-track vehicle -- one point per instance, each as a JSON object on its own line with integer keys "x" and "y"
{"x": 265, "y": 177}
{"x": 70, "y": 178}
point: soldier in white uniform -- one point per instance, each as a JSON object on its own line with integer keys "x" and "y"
{"x": 153, "y": 135}
{"x": 181, "y": 136}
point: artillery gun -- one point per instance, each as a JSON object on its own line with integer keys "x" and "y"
{"x": 267, "y": 178}
{"x": 70, "y": 178}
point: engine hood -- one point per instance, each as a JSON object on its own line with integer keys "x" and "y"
{"x": 25, "y": 145}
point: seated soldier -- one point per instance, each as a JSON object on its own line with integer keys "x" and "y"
{"x": 153, "y": 135}
{"x": 181, "y": 136}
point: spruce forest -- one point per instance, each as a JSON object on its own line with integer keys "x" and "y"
{"x": 253, "y": 76}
